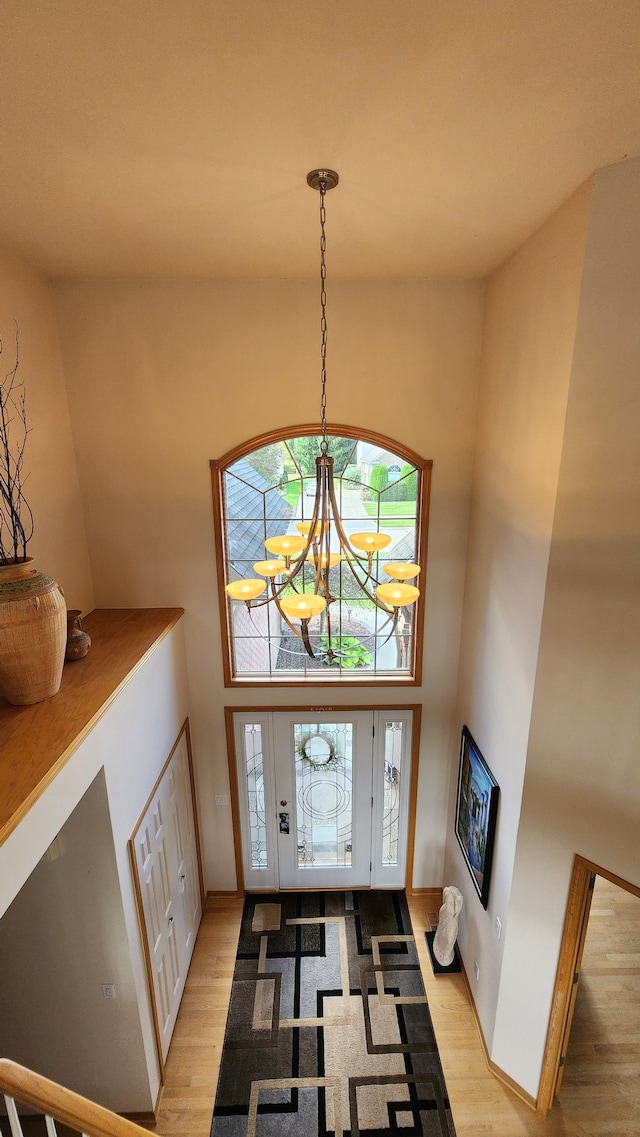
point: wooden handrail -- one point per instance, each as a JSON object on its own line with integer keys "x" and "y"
{"x": 29, "y": 1088}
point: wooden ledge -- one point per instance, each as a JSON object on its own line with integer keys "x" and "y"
{"x": 36, "y": 741}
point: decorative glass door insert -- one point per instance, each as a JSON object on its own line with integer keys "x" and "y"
{"x": 324, "y": 793}
{"x": 323, "y": 772}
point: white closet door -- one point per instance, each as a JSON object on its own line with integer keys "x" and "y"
{"x": 189, "y": 897}
{"x": 164, "y": 847}
{"x": 155, "y": 860}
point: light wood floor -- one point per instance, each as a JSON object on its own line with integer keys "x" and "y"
{"x": 481, "y": 1105}
{"x": 604, "y": 1047}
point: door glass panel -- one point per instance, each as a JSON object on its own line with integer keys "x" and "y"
{"x": 393, "y": 742}
{"x": 254, "y": 773}
{"x": 324, "y": 793}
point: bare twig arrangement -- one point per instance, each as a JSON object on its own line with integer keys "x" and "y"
{"x": 16, "y": 518}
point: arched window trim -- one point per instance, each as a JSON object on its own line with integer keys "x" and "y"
{"x": 384, "y": 442}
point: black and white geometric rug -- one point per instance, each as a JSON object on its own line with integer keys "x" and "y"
{"x": 329, "y": 1033}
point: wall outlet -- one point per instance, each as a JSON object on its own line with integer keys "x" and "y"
{"x": 476, "y": 968}
{"x": 498, "y": 927}
{"x": 108, "y": 991}
{"x": 221, "y": 799}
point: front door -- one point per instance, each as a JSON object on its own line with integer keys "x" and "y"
{"x": 323, "y": 798}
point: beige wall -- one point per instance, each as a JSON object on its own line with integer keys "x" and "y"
{"x": 530, "y": 322}
{"x": 59, "y": 545}
{"x": 582, "y": 781}
{"x": 163, "y": 377}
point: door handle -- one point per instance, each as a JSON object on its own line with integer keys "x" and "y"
{"x": 284, "y": 822}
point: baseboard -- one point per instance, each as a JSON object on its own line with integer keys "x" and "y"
{"x": 145, "y": 1117}
{"x": 513, "y": 1086}
{"x": 425, "y": 894}
{"x": 491, "y": 1065}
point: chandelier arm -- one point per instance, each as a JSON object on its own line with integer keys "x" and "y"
{"x": 350, "y": 556}
{"x": 275, "y": 593}
{"x": 300, "y": 559}
{"x": 304, "y": 636}
{"x": 330, "y": 653}
{"x": 337, "y": 520}
{"x": 322, "y": 579}
{"x": 362, "y": 585}
{"x": 288, "y": 622}
{"x": 394, "y": 624}
{"x": 250, "y": 608}
{"x": 277, "y": 590}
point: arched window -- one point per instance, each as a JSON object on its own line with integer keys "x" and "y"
{"x": 267, "y": 488}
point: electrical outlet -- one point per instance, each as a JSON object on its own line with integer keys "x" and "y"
{"x": 221, "y": 799}
{"x": 476, "y": 968}
{"x": 498, "y": 927}
{"x": 108, "y": 991}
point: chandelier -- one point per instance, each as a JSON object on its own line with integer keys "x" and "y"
{"x": 322, "y": 542}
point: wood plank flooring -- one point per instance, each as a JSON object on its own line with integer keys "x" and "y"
{"x": 481, "y": 1105}
{"x": 191, "y": 1074}
{"x": 603, "y": 1058}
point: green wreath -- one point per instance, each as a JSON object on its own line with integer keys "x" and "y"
{"x": 328, "y": 763}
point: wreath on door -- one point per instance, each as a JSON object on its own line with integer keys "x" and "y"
{"x": 328, "y": 759}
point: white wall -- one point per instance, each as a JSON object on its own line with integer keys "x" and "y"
{"x": 530, "y": 322}
{"x": 163, "y": 377}
{"x": 582, "y": 781}
{"x": 59, "y": 545}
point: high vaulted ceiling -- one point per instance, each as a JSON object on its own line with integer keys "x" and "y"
{"x": 172, "y": 138}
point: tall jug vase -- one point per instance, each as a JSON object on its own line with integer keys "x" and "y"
{"x": 33, "y": 633}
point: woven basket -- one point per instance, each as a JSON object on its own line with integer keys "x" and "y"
{"x": 33, "y": 634}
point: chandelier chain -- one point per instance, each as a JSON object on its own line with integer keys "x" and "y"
{"x": 324, "y": 445}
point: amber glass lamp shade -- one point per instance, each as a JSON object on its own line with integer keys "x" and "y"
{"x": 245, "y": 589}
{"x": 304, "y": 527}
{"x": 400, "y": 570}
{"x": 397, "y": 595}
{"x": 270, "y": 568}
{"x": 286, "y": 546}
{"x": 302, "y": 606}
{"x": 334, "y": 559}
{"x": 370, "y": 542}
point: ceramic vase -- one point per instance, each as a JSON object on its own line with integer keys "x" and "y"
{"x": 78, "y": 641}
{"x": 33, "y": 634}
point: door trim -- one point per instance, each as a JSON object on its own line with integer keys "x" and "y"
{"x": 229, "y": 712}
{"x": 570, "y": 949}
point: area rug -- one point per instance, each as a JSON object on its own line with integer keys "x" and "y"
{"x": 329, "y": 1033}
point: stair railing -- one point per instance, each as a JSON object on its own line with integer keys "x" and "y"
{"x": 24, "y": 1087}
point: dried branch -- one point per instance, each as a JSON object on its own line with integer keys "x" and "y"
{"x": 16, "y": 518}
